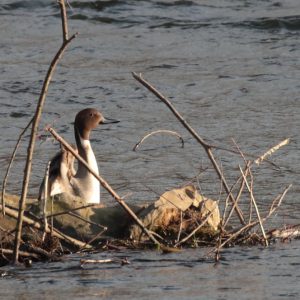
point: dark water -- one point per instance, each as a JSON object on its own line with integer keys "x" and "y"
{"x": 230, "y": 67}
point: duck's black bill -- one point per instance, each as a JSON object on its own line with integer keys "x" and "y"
{"x": 110, "y": 121}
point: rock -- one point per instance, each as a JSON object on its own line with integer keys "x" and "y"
{"x": 164, "y": 213}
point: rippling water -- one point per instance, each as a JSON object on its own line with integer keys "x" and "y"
{"x": 230, "y": 67}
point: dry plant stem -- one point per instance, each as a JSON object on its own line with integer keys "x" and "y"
{"x": 205, "y": 145}
{"x": 105, "y": 184}
{"x": 155, "y": 132}
{"x": 255, "y": 206}
{"x": 31, "y": 144}
{"x": 254, "y": 223}
{"x": 271, "y": 151}
{"x": 196, "y": 229}
{"x": 245, "y": 153}
{"x": 238, "y": 196}
{"x": 273, "y": 206}
{"x": 10, "y": 163}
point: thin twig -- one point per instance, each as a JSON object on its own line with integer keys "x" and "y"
{"x": 255, "y": 206}
{"x": 105, "y": 184}
{"x": 170, "y": 132}
{"x": 254, "y": 223}
{"x": 198, "y": 227}
{"x": 31, "y": 144}
{"x": 72, "y": 210}
{"x": 10, "y": 163}
{"x": 204, "y": 144}
{"x": 87, "y": 221}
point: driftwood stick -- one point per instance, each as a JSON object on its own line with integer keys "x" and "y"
{"x": 31, "y": 144}
{"x": 21, "y": 253}
{"x": 10, "y": 164}
{"x": 198, "y": 227}
{"x": 105, "y": 184}
{"x": 123, "y": 261}
{"x": 13, "y": 213}
{"x": 170, "y": 132}
{"x": 204, "y": 144}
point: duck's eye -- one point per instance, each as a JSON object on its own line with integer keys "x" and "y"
{"x": 91, "y": 114}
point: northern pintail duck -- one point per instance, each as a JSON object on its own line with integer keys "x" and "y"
{"x": 62, "y": 175}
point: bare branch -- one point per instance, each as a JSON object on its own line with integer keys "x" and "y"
{"x": 200, "y": 140}
{"x": 155, "y": 132}
{"x": 31, "y": 144}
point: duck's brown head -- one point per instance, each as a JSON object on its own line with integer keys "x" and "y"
{"x": 87, "y": 120}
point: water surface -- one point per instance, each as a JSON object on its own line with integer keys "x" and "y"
{"x": 230, "y": 67}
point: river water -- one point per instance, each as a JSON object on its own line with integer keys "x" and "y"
{"x": 231, "y": 67}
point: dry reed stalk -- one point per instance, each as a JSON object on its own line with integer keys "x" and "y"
{"x": 238, "y": 196}
{"x": 275, "y": 205}
{"x": 271, "y": 151}
{"x": 10, "y": 164}
{"x": 106, "y": 185}
{"x": 245, "y": 153}
{"x": 197, "y": 228}
{"x": 255, "y": 206}
{"x": 207, "y": 147}
{"x": 170, "y": 132}
{"x": 34, "y": 129}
